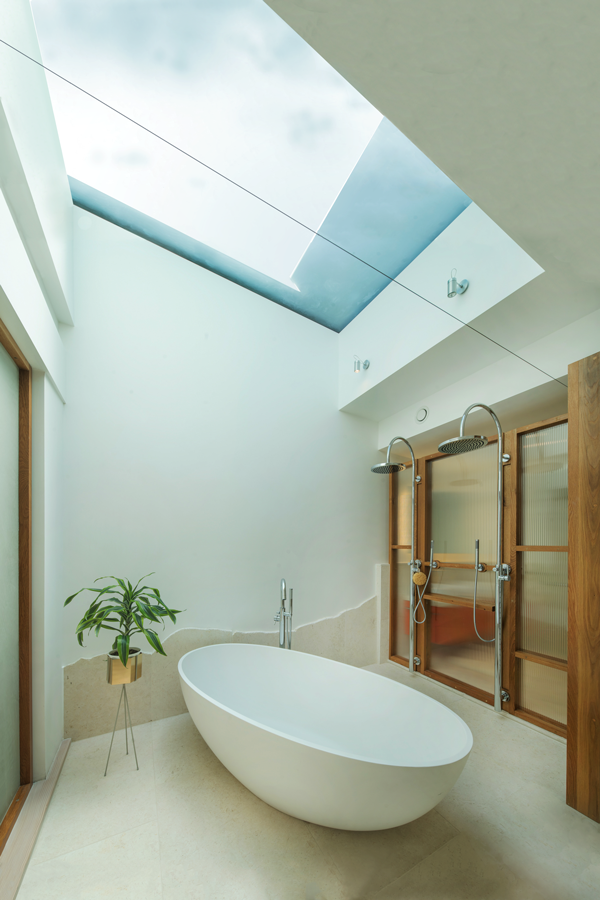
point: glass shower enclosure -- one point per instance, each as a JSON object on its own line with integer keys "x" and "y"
{"x": 456, "y": 505}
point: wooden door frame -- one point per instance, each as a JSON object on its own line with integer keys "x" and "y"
{"x": 25, "y": 582}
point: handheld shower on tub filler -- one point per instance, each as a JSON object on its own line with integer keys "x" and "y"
{"x": 285, "y": 618}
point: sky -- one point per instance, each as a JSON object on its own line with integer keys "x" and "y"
{"x": 225, "y": 80}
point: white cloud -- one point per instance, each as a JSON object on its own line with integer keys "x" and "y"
{"x": 227, "y": 81}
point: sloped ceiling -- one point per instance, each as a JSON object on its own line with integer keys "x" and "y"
{"x": 503, "y": 98}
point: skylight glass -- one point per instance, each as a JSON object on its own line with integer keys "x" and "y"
{"x": 230, "y": 83}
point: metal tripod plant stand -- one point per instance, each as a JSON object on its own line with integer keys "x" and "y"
{"x": 117, "y": 673}
{"x": 127, "y": 714}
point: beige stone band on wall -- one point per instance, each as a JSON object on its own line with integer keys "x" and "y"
{"x": 353, "y": 637}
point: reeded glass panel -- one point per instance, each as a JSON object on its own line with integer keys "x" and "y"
{"x": 403, "y": 486}
{"x": 463, "y": 509}
{"x": 542, "y": 690}
{"x": 402, "y": 599}
{"x": 464, "y": 505}
{"x": 544, "y": 481}
{"x": 543, "y": 606}
{"x": 461, "y": 582}
{"x": 455, "y": 649}
{"x": 9, "y": 581}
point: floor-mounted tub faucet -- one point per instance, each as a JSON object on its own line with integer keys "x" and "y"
{"x": 285, "y": 618}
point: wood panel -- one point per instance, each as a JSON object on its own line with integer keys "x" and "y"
{"x": 460, "y": 601}
{"x": 462, "y": 686}
{"x": 525, "y": 549}
{"x": 450, "y": 565}
{"x": 543, "y": 659}
{"x": 583, "y": 690}
{"x": 539, "y": 426}
{"x": 6, "y": 339}
{"x": 541, "y": 721}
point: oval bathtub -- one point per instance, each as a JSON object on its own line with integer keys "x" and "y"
{"x": 323, "y": 741}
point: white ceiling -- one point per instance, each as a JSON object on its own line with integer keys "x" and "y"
{"x": 503, "y": 98}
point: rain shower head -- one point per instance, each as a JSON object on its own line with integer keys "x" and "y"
{"x": 387, "y": 468}
{"x": 456, "y": 445}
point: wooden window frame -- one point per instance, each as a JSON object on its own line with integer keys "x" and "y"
{"x": 25, "y": 582}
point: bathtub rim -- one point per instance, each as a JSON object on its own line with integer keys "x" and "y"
{"x": 445, "y": 761}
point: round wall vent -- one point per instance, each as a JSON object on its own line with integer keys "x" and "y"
{"x": 422, "y": 414}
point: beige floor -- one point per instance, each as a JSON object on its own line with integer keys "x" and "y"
{"x": 182, "y": 827}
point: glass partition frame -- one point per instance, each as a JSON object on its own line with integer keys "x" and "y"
{"x": 425, "y": 469}
{"x": 514, "y": 656}
{"x": 399, "y": 552}
{"x": 25, "y": 589}
{"x": 520, "y": 556}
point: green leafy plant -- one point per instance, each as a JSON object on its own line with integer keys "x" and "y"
{"x": 124, "y": 608}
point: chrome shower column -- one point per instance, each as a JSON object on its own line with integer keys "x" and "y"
{"x": 464, "y": 444}
{"x": 388, "y": 468}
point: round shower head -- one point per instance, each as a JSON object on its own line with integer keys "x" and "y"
{"x": 457, "y": 445}
{"x": 387, "y": 468}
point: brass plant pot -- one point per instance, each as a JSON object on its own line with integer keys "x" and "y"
{"x": 117, "y": 673}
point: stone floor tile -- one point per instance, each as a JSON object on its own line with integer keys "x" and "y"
{"x": 121, "y": 867}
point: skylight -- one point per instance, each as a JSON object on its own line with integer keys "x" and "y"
{"x": 230, "y": 83}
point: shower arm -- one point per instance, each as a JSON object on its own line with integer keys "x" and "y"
{"x": 502, "y": 571}
{"x": 413, "y": 566}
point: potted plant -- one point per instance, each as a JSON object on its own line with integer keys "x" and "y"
{"x": 128, "y": 610}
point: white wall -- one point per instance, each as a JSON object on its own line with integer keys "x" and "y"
{"x": 203, "y": 442}
{"x": 32, "y": 171}
{"x": 35, "y": 297}
{"x": 399, "y": 327}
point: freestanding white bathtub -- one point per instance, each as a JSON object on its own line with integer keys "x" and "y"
{"x": 323, "y": 741}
